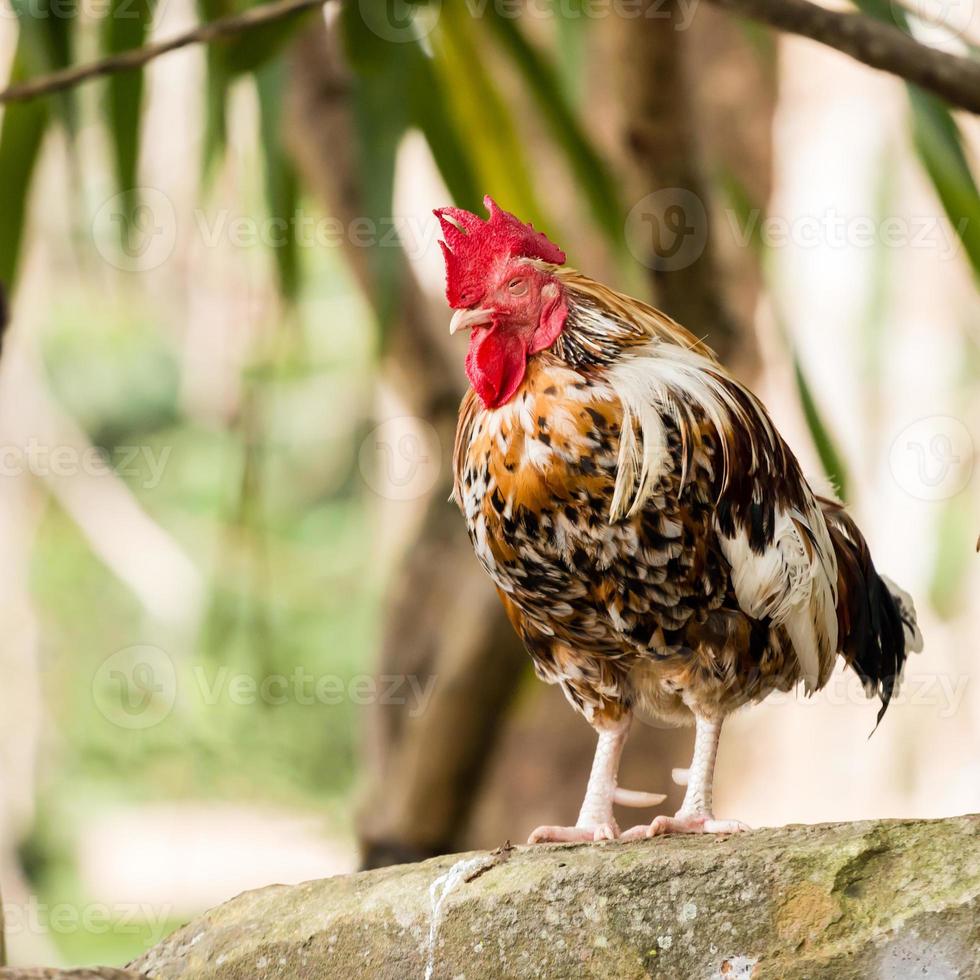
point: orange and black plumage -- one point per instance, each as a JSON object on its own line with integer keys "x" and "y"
{"x": 653, "y": 538}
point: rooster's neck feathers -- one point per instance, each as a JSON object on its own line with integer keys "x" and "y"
{"x": 603, "y": 324}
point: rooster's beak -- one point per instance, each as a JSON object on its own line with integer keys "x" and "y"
{"x": 464, "y": 319}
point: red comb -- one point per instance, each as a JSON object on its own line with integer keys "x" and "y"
{"x": 472, "y": 246}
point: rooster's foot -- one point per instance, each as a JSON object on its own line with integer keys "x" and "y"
{"x": 685, "y": 823}
{"x": 564, "y": 835}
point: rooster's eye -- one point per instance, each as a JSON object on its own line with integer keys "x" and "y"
{"x": 517, "y": 287}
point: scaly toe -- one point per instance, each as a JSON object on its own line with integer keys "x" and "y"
{"x": 567, "y": 835}
{"x": 639, "y": 832}
{"x": 688, "y": 823}
{"x": 693, "y": 824}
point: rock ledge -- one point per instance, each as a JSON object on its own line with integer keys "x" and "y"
{"x": 888, "y": 899}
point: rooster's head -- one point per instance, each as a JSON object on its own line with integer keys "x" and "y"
{"x": 499, "y": 280}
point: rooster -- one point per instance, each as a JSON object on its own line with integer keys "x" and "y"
{"x": 652, "y": 537}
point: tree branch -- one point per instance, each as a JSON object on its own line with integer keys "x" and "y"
{"x": 872, "y": 42}
{"x": 137, "y": 57}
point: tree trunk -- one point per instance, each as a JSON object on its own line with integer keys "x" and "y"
{"x": 678, "y": 75}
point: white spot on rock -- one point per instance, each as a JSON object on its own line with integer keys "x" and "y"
{"x": 736, "y": 968}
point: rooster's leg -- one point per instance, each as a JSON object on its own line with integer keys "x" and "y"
{"x": 595, "y": 819}
{"x": 695, "y": 815}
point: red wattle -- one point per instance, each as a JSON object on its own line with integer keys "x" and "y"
{"x": 495, "y": 364}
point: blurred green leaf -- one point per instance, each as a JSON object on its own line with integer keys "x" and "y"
{"x": 763, "y": 41}
{"x": 256, "y": 47}
{"x": 216, "y": 86}
{"x": 481, "y": 115}
{"x": 231, "y": 57}
{"x": 430, "y": 113}
{"x": 21, "y": 135}
{"x": 830, "y": 457}
{"x": 747, "y": 211}
{"x": 406, "y": 69}
{"x": 281, "y": 181}
{"x": 380, "y": 133}
{"x": 217, "y": 80}
{"x": 381, "y": 119}
{"x": 571, "y": 27}
{"x": 939, "y": 144}
{"x": 46, "y": 45}
{"x": 366, "y": 52}
{"x": 544, "y": 85}
{"x": 384, "y": 68}
{"x": 126, "y": 26}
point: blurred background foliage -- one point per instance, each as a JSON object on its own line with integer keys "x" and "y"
{"x": 262, "y": 487}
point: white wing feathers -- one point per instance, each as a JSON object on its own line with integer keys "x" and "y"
{"x": 794, "y": 583}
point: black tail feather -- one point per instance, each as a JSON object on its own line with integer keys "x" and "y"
{"x": 875, "y": 619}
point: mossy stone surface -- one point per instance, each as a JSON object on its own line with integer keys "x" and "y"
{"x": 888, "y": 899}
